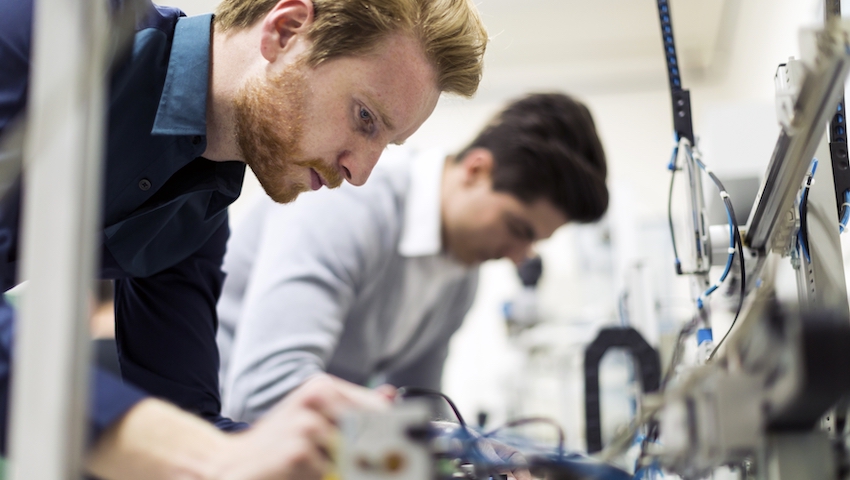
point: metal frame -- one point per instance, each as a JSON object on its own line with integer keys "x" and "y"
{"x": 63, "y": 150}
{"x": 821, "y": 90}
{"x": 771, "y": 223}
{"x": 774, "y": 373}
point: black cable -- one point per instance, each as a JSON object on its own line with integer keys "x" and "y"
{"x": 804, "y": 227}
{"x": 678, "y": 263}
{"x": 562, "y": 437}
{"x": 405, "y": 392}
{"x": 803, "y": 240}
{"x": 740, "y": 247}
{"x": 470, "y": 444}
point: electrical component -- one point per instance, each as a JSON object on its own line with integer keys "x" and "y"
{"x": 385, "y": 445}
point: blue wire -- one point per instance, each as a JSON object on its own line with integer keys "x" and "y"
{"x": 801, "y": 244}
{"x": 672, "y": 167}
{"x": 846, "y": 216}
{"x": 730, "y": 258}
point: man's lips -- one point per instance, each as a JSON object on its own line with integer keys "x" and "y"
{"x": 316, "y": 181}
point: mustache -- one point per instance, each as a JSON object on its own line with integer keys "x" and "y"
{"x": 332, "y": 175}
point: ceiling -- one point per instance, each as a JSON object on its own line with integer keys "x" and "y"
{"x": 602, "y": 44}
{"x": 590, "y": 45}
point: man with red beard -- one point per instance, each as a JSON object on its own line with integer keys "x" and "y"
{"x": 307, "y": 93}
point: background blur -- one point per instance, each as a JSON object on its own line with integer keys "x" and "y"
{"x": 608, "y": 53}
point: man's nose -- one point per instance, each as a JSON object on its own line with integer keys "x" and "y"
{"x": 357, "y": 165}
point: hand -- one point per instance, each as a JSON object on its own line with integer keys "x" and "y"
{"x": 295, "y": 439}
{"x": 155, "y": 439}
{"x": 388, "y": 391}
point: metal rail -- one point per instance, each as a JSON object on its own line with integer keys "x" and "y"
{"x": 62, "y": 165}
{"x": 821, "y": 90}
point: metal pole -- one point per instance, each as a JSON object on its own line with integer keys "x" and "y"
{"x": 61, "y": 208}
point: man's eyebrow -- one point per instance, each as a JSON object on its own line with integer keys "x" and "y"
{"x": 381, "y": 111}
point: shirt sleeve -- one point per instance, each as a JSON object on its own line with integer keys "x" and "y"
{"x": 311, "y": 261}
{"x": 110, "y": 397}
{"x": 165, "y": 331}
{"x": 426, "y": 370}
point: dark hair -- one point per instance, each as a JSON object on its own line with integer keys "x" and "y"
{"x": 545, "y": 146}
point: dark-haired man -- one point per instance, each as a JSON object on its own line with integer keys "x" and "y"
{"x": 375, "y": 280}
{"x": 305, "y": 92}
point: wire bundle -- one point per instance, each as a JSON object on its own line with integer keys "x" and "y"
{"x": 555, "y": 461}
{"x": 735, "y": 243}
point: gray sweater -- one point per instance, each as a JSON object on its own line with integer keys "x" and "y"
{"x": 352, "y": 282}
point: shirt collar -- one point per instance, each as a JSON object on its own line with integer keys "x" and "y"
{"x": 183, "y": 104}
{"x": 421, "y": 231}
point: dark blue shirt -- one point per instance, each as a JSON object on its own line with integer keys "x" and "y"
{"x": 164, "y": 215}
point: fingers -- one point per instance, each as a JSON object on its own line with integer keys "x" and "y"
{"x": 293, "y": 442}
{"x": 522, "y": 474}
{"x": 316, "y": 429}
{"x": 388, "y": 391}
{"x": 333, "y": 397}
{"x": 304, "y": 461}
{"x": 297, "y": 438}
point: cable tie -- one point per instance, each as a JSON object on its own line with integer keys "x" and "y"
{"x": 723, "y": 194}
{"x": 732, "y": 250}
{"x": 845, "y": 204}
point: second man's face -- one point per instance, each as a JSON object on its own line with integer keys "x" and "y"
{"x": 301, "y": 127}
{"x": 483, "y": 224}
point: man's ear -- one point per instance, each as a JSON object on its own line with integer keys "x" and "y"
{"x": 280, "y": 26}
{"x": 477, "y": 166}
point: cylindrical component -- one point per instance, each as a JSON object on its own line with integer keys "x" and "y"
{"x": 718, "y": 239}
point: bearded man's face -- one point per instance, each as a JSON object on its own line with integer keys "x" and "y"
{"x": 300, "y": 127}
{"x": 269, "y": 131}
